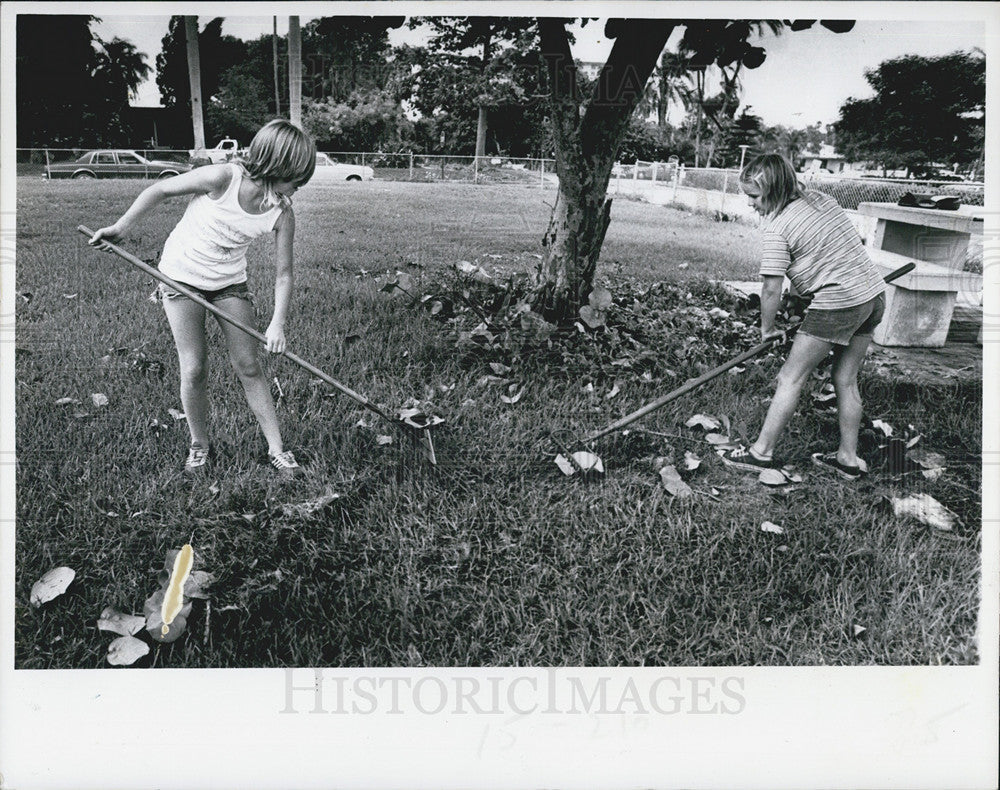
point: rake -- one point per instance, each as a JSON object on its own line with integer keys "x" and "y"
{"x": 418, "y": 425}
{"x": 704, "y": 378}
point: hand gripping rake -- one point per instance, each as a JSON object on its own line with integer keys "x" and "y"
{"x": 704, "y": 378}
{"x": 418, "y": 424}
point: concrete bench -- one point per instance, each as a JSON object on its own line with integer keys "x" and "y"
{"x": 919, "y": 305}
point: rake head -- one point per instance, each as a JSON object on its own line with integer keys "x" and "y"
{"x": 420, "y": 422}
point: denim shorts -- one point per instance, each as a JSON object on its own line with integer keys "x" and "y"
{"x": 234, "y": 291}
{"x": 839, "y": 326}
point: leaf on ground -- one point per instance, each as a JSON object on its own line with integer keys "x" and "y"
{"x": 772, "y": 477}
{"x": 513, "y": 394}
{"x": 770, "y": 526}
{"x": 389, "y": 286}
{"x": 308, "y": 508}
{"x": 197, "y": 584}
{"x": 927, "y": 510}
{"x": 706, "y": 421}
{"x": 67, "y": 402}
{"x": 154, "y": 618}
{"x": 880, "y": 425}
{"x": 51, "y": 585}
{"x": 857, "y": 630}
{"x": 614, "y": 392}
{"x": 926, "y": 459}
{"x": 499, "y": 368}
{"x": 70, "y": 296}
{"x": 791, "y": 475}
{"x": 671, "y": 480}
{"x": 119, "y": 623}
{"x": 718, "y": 312}
{"x": 600, "y": 298}
{"x": 363, "y": 422}
{"x": 383, "y": 439}
{"x": 158, "y": 426}
{"x": 126, "y": 650}
{"x": 536, "y": 325}
{"x": 81, "y": 415}
{"x": 592, "y": 317}
{"x": 691, "y": 461}
{"x": 588, "y": 387}
{"x": 99, "y": 399}
{"x": 177, "y": 415}
{"x": 588, "y": 462}
{"x": 913, "y": 440}
{"x": 717, "y": 438}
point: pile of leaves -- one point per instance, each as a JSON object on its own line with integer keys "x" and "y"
{"x": 661, "y": 332}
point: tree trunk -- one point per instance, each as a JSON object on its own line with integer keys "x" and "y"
{"x": 194, "y": 76}
{"x": 277, "y": 85}
{"x": 294, "y": 71}
{"x": 585, "y": 152}
{"x": 481, "y": 133}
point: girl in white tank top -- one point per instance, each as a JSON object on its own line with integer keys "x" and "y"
{"x": 232, "y": 205}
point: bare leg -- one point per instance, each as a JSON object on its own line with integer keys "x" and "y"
{"x": 243, "y": 355}
{"x": 846, "y": 366}
{"x": 807, "y": 352}
{"x": 187, "y": 322}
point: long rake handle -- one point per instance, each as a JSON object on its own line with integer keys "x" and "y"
{"x": 157, "y": 274}
{"x": 704, "y": 378}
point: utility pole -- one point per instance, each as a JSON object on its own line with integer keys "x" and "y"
{"x": 274, "y": 49}
{"x": 294, "y": 71}
{"x": 194, "y": 76}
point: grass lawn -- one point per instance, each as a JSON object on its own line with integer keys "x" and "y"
{"x": 494, "y": 557}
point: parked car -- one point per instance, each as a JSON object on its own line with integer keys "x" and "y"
{"x": 224, "y": 150}
{"x": 115, "y": 164}
{"x": 329, "y": 170}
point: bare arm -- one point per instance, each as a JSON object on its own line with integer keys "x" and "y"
{"x": 283, "y": 281}
{"x": 201, "y": 181}
{"x": 770, "y": 301}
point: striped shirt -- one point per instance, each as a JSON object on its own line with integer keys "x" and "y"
{"x": 813, "y": 242}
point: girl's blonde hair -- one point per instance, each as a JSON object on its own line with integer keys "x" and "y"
{"x": 774, "y": 177}
{"x": 280, "y": 151}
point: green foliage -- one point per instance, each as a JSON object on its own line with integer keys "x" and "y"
{"x": 77, "y": 97}
{"x": 925, "y": 111}
{"x": 240, "y": 106}
{"x": 366, "y": 121}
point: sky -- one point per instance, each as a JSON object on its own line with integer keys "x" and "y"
{"x": 806, "y": 77}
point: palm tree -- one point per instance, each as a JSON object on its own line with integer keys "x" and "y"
{"x": 294, "y": 71}
{"x": 121, "y": 67}
{"x": 194, "y": 76}
{"x": 274, "y": 49}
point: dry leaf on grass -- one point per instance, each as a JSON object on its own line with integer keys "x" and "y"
{"x": 119, "y": 623}
{"x": 513, "y": 394}
{"x": 772, "y": 477}
{"x": 51, "y": 585}
{"x": 614, "y": 392}
{"x": 126, "y": 650}
{"x": 383, "y": 439}
{"x": 927, "y": 510}
{"x": 770, "y": 526}
{"x": 67, "y": 402}
{"x": 691, "y": 461}
{"x": 671, "y": 480}
{"x": 880, "y": 425}
{"x": 308, "y": 508}
{"x": 706, "y": 421}
{"x": 99, "y": 399}
{"x": 588, "y": 462}
{"x": 717, "y": 438}
{"x": 177, "y": 415}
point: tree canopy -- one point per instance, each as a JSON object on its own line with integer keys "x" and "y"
{"x": 926, "y": 111}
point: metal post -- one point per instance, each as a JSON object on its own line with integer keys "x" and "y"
{"x": 635, "y": 171}
{"x": 411, "y": 165}
{"x": 475, "y": 170}
{"x": 677, "y": 180}
{"x": 725, "y": 187}
{"x": 743, "y": 154}
{"x": 653, "y": 179}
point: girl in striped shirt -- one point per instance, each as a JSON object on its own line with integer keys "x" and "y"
{"x": 810, "y": 239}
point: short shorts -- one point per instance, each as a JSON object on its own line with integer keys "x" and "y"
{"x": 234, "y": 291}
{"x": 839, "y": 326}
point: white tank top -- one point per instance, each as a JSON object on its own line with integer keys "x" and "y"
{"x": 208, "y": 247}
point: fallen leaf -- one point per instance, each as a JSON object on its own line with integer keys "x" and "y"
{"x": 671, "y": 480}
{"x": 882, "y": 426}
{"x": 691, "y": 461}
{"x": 126, "y": 650}
{"x": 51, "y": 585}
{"x": 614, "y": 392}
{"x": 588, "y": 387}
{"x": 926, "y": 459}
{"x": 791, "y": 475}
{"x": 770, "y": 526}
{"x": 717, "y": 438}
{"x": 197, "y": 583}
{"x": 67, "y": 401}
{"x": 912, "y": 441}
{"x": 592, "y": 317}
{"x": 70, "y": 296}
{"x": 600, "y": 298}
{"x": 154, "y": 618}
{"x": 927, "y": 510}
{"x": 177, "y": 415}
{"x": 705, "y": 421}
{"x": 772, "y": 477}
{"x": 99, "y": 399}
{"x": 588, "y": 462}
{"x": 119, "y": 623}
{"x": 383, "y": 439}
{"x": 857, "y": 630}
{"x": 718, "y": 312}
{"x": 513, "y": 394}
{"x": 499, "y": 368}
